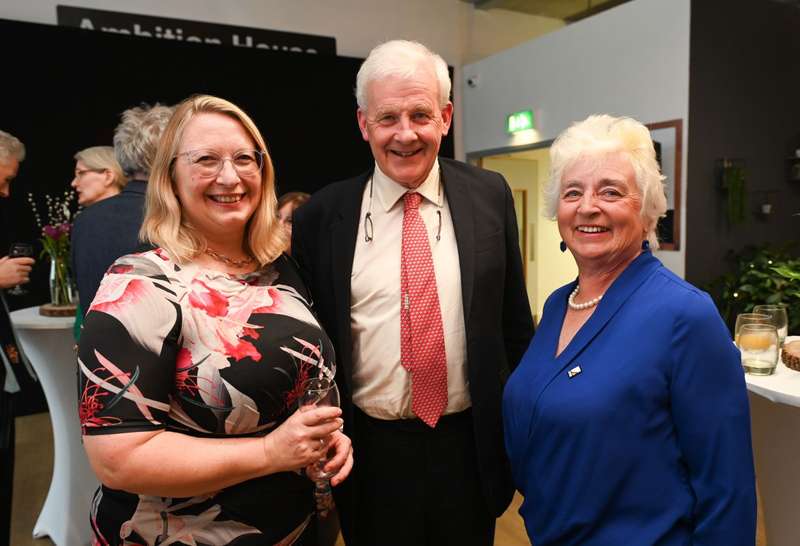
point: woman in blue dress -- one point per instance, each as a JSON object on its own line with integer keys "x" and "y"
{"x": 627, "y": 420}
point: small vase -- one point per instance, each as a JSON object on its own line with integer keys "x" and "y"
{"x": 60, "y": 282}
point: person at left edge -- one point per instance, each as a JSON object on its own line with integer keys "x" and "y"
{"x": 431, "y": 466}
{"x": 13, "y": 271}
{"x": 194, "y": 356}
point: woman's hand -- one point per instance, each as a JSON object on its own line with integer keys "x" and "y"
{"x": 342, "y": 460}
{"x": 302, "y": 439}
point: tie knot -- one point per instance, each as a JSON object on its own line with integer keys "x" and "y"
{"x": 412, "y": 200}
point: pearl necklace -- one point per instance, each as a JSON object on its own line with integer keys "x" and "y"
{"x": 238, "y": 264}
{"x": 582, "y": 306}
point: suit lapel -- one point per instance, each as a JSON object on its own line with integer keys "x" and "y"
{"x": 459, "y": 199}
{"x": 618, "y": 293}
{"x": 343, "y": 231}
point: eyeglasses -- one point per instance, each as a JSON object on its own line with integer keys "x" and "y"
{"x": 208, "y": 164}
{"x": 81, "y": 172}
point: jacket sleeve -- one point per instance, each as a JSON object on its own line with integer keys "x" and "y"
{"x": 712, "y": 419}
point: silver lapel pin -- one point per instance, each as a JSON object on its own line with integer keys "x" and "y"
{"x": 574, "y": 371}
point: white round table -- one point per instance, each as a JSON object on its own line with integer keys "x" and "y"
{"x": 775, "y": 416}
{"x": 48, "y": 343}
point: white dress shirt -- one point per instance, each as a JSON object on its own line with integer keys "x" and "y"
{"x": 381, "y": 386}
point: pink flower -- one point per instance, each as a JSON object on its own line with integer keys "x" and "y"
{"x": 206, "y": 298}
{"x": 51, "y": 231}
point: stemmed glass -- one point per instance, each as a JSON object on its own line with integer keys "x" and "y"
{"x": 20, "y": 250}
{"x": 321, "y": 391}
{"x": 778, "y": 318}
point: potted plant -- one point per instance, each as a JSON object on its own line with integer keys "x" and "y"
{"x": 763, "y": 274}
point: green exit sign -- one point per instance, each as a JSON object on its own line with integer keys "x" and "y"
{"x": 519, "y": 121}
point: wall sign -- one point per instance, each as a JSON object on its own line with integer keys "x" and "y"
{"x": 519, "y": 121}
{"x": 181, "y": 30}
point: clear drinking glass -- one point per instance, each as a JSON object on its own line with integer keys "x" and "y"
{"x": 778, "y": 317}
{"x": 320, "y": 391}
{"x": 748, "y": 318}
{"x": 759, "y": 346}
{"x": 20, "y": 250}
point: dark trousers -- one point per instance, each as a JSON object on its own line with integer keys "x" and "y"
{"x": 417, "y": 486}
{"x": 6, "y": 464}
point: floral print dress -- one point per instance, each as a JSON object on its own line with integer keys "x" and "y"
{"x": 199, "y": 352}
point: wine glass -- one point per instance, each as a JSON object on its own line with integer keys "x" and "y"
{"x": 759, "y": 346}
{"x": 778, "y": 317}
{"x": 320, "y": 391}
{"x": 20, "y": 250}
{"x": 748, "y": 318}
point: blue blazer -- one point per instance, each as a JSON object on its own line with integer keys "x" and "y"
{"x": 649, "y": 441}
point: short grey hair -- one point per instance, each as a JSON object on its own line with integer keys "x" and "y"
{"x": 601, "y": 134}
{"x": 136, "y": 137}
{"x": 401, "y": 58}
{"x": 11, "y": 147}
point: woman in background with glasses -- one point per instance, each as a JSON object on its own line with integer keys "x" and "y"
{"x": 194, "y": 354}
{"x": 97, "y": 175}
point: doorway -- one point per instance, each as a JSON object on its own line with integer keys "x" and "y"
{"x": 546, "y": 268}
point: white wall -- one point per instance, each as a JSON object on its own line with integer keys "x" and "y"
{"x": 452, "y": 28}
{"x": 631, "y": 60}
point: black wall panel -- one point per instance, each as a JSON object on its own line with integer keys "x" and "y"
{"x": 62, "y": 89}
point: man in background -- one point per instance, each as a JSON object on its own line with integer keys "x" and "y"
{"x": 13, "y": 271}
{"x": 416, "y": 274}
{"x": 110, "y": 228}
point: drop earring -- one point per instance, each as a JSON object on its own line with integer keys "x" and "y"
{"x": 645, "y": 245}
{"x": 563, "y": 246}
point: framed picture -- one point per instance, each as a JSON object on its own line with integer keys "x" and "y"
{"x": 521, "y": 211}
{"x": 668, "y": 140}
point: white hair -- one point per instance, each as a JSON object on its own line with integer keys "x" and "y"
{"x": 11, "y": 147}
{"x": 401, "y": 58}
{"x": 602, "y": 134}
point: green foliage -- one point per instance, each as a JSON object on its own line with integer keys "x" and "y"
{"x": 762, "y": 274}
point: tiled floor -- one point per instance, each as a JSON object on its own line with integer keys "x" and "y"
{"x": 34, "y": 465}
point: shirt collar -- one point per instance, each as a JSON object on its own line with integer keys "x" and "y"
{"x": 389, "y": 192}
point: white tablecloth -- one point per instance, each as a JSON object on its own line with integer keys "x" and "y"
{"x": 47, "y": 341}
{"x": 783, "y": 386}
{"x": 775, "y": 415}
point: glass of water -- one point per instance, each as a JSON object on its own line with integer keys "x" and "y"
{"x": 759, "y": 346}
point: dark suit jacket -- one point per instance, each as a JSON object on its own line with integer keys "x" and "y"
{"x": 102, "y": 233}
{"x": 496, "y": 310}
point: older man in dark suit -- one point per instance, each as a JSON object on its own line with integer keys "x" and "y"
{"x": 416, "y": 274}
{"x": 110, "y": 228}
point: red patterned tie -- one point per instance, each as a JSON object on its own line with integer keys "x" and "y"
{"x": 422, "y": 350}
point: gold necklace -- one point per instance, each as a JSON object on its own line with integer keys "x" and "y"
{"x": 239, "y": 264}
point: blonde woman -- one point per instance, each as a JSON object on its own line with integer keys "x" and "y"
{"x": 194, "y": 354}
{"x": 98, "y": 176}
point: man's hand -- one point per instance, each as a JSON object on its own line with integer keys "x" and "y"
{"x": 14, "y": 271}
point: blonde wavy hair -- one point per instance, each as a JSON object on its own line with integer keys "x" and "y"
{"x": 103, "y": 158}
{"x": 602, "y": 134}
{"x": 164, "y": 223}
